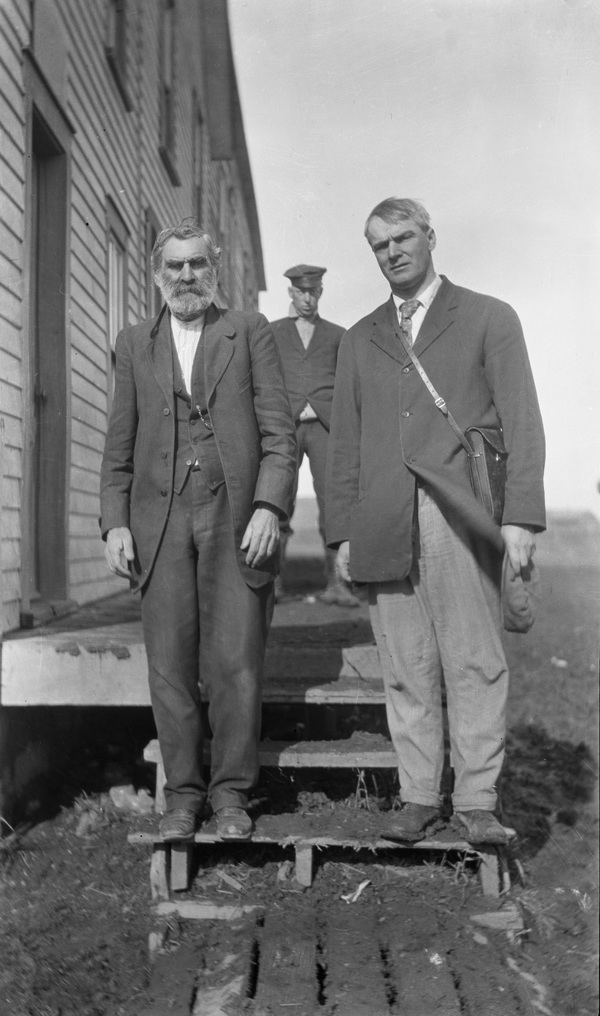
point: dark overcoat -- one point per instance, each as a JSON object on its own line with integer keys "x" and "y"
{"x": 386, "y": 430}
{"x": 250, "y": 414}
{"x": 309, "y": 373}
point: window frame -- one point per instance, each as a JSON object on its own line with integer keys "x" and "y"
{"x": 115, "y": 47}
{"x": 117, "y": 239}
{"x": 166, "y": 91}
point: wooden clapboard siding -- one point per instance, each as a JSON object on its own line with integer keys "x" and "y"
{"x": 12, "y": 174}
{"x": 113, "y": 154}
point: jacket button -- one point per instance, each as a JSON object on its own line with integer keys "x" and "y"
{"x": 163, "y": 455}
{"x": 164, "y": 492}
{"x": 405, "y": 413}
{"x": 188, "y": 462}
{"x": 166, "y": 412}
{"x": 405, "y": 370}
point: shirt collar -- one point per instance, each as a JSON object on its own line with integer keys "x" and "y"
{"x": 187, "y": 328}
{"x": 426, "y": 297}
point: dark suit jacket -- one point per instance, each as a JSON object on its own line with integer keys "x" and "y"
{"x": 386, "y": 430}
{"x": 251, "y": 417}
{"x": 309, "y": 373}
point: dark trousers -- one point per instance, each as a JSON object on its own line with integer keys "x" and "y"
{"x": 312, "y": 441}
{"x": 201, "y": 620}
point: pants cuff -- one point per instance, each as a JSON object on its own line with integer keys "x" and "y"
{"x": 415, "y": 797}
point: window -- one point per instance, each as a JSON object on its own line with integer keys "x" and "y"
{"x": 198, "y": 195}
{"x": 116, "y": 283}
{"x": 166, "y": 143}
{"x": 116, "y": 46}
{"x": 153, "y": 296}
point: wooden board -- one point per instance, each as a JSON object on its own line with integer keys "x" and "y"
{"x": 354, "y": 982}
{"x": 107, "y": 666}
{"x": 374, "y": 753}
{"x": 287, "y": 975}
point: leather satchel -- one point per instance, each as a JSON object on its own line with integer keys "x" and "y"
{"x": 487, "y": 468}
{"x": 486, "y": 462}
{"x": 486, "y": 454}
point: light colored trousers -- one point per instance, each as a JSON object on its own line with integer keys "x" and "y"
{"x": 444, "y": 619}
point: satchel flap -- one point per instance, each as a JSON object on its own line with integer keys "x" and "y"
{"x": 490, "y": 435}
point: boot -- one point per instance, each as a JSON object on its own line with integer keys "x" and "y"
{"x": 336, "y": 592}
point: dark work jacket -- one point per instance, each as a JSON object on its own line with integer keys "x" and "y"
{"x": 309, "y": 373}
{"x": 386, "y": 431}
{"x": 250, "y": 412}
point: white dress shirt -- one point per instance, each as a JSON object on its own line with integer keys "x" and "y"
{"x": 425, "y": 298}
{"x": 186, "y": 335}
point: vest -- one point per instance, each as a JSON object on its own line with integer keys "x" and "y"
{"x": 194, "y": 441}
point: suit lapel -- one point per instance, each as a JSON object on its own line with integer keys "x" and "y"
{"x": 160, "y": 354}
{"x": 318, "y": 338}
{"x": 218, "y": 347}
{"x": 439, "y": 317}
{"x": 385, "y": 332}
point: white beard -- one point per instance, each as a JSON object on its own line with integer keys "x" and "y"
{"x": 188, "y": 301}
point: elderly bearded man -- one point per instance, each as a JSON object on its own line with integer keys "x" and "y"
{"x": 401, "y": 511}
{"x": 198, "y": 470}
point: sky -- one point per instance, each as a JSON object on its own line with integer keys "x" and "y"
{"x": 487, "y": 112}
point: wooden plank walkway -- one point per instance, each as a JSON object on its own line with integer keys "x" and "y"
{"x": 273, "y": 961}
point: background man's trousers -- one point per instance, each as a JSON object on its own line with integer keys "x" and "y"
{"x": 445, "y": 618}
{"x": 200, "y": 619}
{"x": 312, "y": 441}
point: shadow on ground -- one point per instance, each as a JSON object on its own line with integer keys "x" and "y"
{"x": 544, "y": 781}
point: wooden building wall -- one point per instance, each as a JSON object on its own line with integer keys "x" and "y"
{"x": 57, "y": 63}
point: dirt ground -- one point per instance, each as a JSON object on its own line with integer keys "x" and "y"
{"x": 75, "y": 896}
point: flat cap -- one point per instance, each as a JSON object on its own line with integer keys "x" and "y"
{"x": 520, "y": 596}
{"x": 305, "y": 275}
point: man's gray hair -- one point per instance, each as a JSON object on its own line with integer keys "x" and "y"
{"x": 397, "y": 209}
{"x": 186, "y": 229}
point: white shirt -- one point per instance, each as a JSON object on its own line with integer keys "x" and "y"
{"x": 425, "y": 298}
{"x": 186, "y": 335}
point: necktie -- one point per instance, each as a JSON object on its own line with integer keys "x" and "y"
{"x": 407, "y": 309}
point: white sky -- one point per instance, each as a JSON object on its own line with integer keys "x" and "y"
{"x": 487, "y": 111}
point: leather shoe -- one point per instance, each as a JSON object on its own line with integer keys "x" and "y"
{"x": 233, "y": 824}
{"x": 178, "y": 824}
{"x": 483, "y": 827}
{"x": 413, "y": 821}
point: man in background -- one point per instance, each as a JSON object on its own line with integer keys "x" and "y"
{"x": 401, "y": 511}
{"x": 308, "y": 347}
{"x": 198, "y": 470}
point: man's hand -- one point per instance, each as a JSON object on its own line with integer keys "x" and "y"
{"x": 342, "y": 561}
{"x": 261, "y": 538}
{"x": 119, "y": 551}
{"x": 520, "y": 546}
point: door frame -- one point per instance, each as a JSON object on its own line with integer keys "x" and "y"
{"x": 41, "y": 102}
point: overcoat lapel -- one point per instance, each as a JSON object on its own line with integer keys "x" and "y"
{"x": 218, "y": 348}
{"x": 160, "y": 354}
